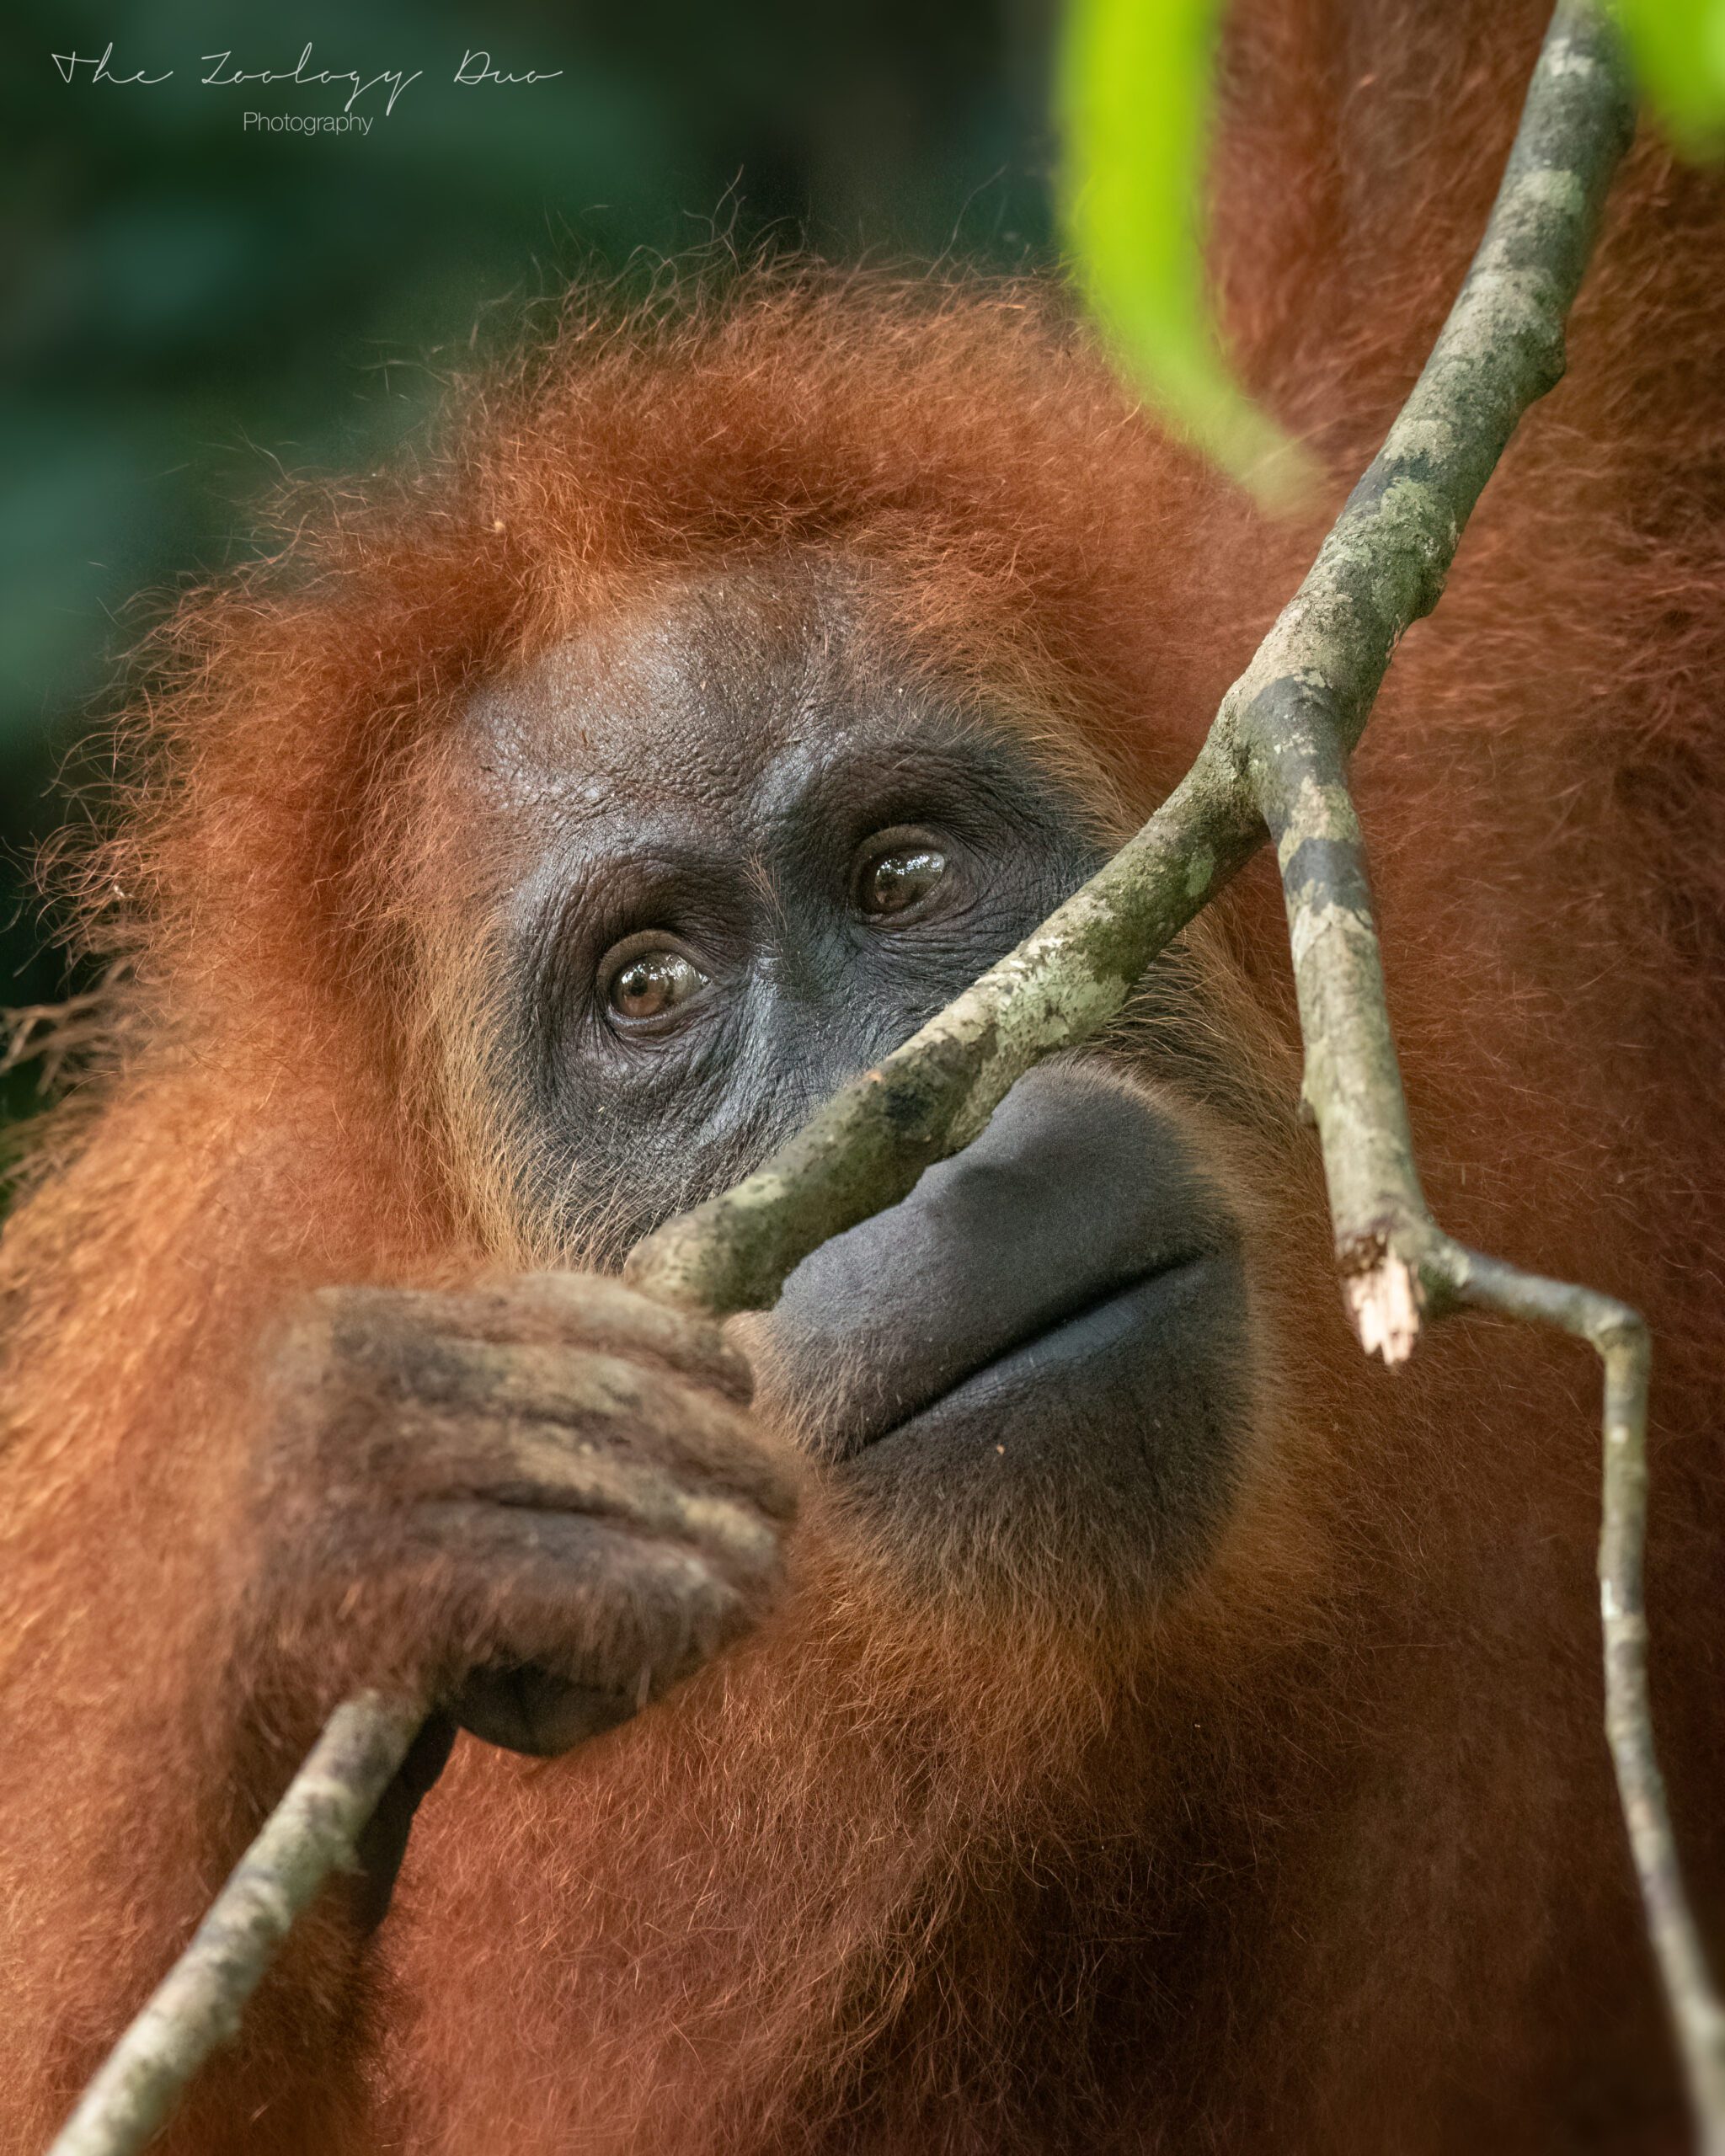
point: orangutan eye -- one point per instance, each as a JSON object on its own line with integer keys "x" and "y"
{"x": 646, "y": 980}
{"x": 898, "y": 875}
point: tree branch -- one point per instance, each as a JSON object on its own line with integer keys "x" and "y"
{"x": 311, "y": 1833}
{"x": 1275, "y": 763}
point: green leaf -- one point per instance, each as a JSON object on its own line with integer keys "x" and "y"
{"x": 1678, "y": 49}
{"x": 1134, "y": 99}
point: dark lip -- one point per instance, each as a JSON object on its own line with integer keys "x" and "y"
{"x": 1066, "y": 1319}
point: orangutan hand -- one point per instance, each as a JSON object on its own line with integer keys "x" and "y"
{"x": 542, "y": 1502}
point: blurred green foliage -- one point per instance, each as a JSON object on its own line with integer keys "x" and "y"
{"x": 1679, "y": 50}
{"x": 184, "y": 306}
{"x": 1134, "y": 90}
{"x": 1134, "y": 95}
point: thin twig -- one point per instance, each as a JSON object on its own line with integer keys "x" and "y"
{"x": 1299, "y": 708}
{"x": 1396, "y": 1264}
{"x": 1277, "y": 757}
{"x": 1620, "y": 1337}
{"x": 311, "y": 1833}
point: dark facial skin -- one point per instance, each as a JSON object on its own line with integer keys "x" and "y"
{"x": 761, "y": 850}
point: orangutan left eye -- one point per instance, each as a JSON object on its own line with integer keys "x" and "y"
{"x": 897, "y": 876}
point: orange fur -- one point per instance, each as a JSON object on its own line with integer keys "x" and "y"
{"x": 1325, "y": 1857}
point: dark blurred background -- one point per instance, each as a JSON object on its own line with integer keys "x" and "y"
{"x": 188, "y": 307}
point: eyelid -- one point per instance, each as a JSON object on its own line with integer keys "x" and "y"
{"x": 897, "y": 838}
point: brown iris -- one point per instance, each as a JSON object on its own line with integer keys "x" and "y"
{"x": 652, "y": 982}
{"x": 899, "y": 877}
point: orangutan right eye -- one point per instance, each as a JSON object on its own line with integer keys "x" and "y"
{"x": 643, "y": 979}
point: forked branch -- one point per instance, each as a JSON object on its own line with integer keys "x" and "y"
{"x": 1275, "y": 764}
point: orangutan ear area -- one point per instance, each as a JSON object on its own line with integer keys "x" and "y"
{"x": 949, "y": 1712}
